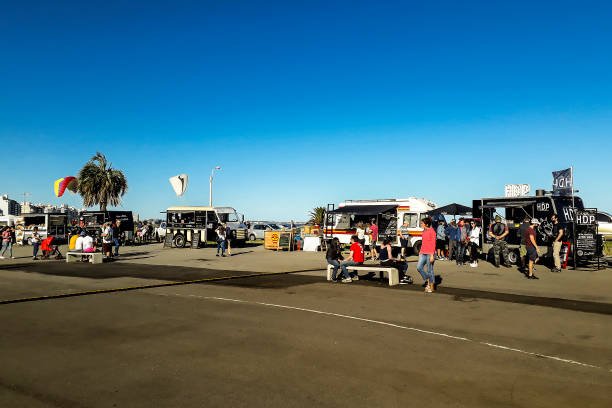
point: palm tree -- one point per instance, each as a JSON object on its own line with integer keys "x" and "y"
{"x": 100, "y": 184}
{"x": 317, "y": 216}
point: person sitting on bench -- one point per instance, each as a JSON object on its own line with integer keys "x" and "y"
{"x": 386, "y": 259}
{"x": 355, "y": 258}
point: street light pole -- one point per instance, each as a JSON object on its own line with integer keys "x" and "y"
{"x": 212, "y": 173}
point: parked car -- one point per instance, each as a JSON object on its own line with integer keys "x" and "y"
{"x": 604, "y": 221}
{"x": 258, "y": 230}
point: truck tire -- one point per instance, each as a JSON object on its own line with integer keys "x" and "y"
{"x": 513, "y": 257}
{"x": 252, "y": 237}
{"x": 416, "y": 247}
{"x": 179, "y": 241}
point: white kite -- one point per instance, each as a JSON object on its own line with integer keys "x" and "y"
{"x": 179, "y": 184}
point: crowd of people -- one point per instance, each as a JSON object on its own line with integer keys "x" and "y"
{"x": 458, "y": 240}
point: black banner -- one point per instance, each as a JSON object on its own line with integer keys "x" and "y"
{"x": 563, "y": 182}
{"x": 586, "y": 234}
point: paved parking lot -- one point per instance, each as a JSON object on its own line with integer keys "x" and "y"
{"x": 487, "y": 338}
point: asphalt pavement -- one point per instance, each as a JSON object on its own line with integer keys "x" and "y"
{"x": 265, "y": 337}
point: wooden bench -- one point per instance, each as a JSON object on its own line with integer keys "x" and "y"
{"x": 93, "y": 257}
{"x": 392, "y": 273}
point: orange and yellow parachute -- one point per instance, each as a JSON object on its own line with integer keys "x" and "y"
{"x": 60, "y": 185}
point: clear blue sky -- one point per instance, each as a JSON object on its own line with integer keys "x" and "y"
{"x": 307, "y": 102}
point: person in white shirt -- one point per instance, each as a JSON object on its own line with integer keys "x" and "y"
{"x": 78, "y": 246}
{"x": 474, "y": 244}
{"x": 107, "y": 239}
{"x": 88, "y": 243}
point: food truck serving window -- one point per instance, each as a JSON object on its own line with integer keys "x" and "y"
{"x": 411, "y": 219}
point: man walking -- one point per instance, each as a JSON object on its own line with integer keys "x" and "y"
{"x": 451, "y": 233}
{"x": 558, "y": 232}
{"x": 523, "y": 249}
{"x": 498, "y": 231}
{"x": 402, "y": 233}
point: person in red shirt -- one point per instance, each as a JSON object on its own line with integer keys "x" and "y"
{"x": 532, "y": 247}
{"x": 355, "y": 258}
{"x": 426, "y": 255}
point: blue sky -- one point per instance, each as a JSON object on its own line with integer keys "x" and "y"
{"x": 304, "y": 103}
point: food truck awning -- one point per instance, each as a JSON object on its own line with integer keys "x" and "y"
{"x": 364, "y": 209}
{"x": 452, "y": 209}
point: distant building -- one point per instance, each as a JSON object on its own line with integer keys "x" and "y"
{"x": 29, "y": 208}
{"x": 8, "y": 206}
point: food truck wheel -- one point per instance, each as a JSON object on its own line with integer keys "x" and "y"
{"x": 513, "y": 257}
{"x": 29, "y": 241}
{"x": 252, "y": 237}
{"x": 416, "y": 247}
{"x": 179, "y": 241}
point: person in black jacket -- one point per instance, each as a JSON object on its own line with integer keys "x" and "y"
{"x": 334, "y": 256}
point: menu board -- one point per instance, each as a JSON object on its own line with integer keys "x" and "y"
{"x": 586, "y": 234}
{"x": 387, "y": 227}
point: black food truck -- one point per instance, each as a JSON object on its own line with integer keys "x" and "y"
{"x": 514, "y": 210}
{"x": 93, "y": 221}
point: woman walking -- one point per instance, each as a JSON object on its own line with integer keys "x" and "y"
{"x": 7, "y": 243}
{"x": 426, "y": 255}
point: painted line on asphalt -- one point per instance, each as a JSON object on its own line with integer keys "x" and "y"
{"x": 396, "y": 326}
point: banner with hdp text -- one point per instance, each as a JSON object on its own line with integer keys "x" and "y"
{"x": 563, "y": 182}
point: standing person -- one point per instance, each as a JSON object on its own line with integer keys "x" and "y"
{"x": 355, "y": 258}
{"x": 221, "y": 240}
{"x": 334, "y": 257}
{"x": 116, "y": 234}
{"x": 462, "y": 240}
{"x": 523, "y": 248}
{"x": 558, "y": 231}
{"x": 474, "y": 244}
{"x": 451, "y": 233}
{"x": 440, "y": 240}
{"x": 107, "y": 240}
{"x": 426, "y": 255}
{"x": 386, "y": 259}
{"x": 373, "y": 239}
{"x": 498, "y": 231}
{"x": 35, "y": 243}
{"x": 228, "y": 239}
{"x": 532, "y": 247}
{"x": 360, "y": 232}
{"x": 404, "y": 236}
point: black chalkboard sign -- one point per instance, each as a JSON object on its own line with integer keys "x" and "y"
{"x": 586, "y": 234}
{"x": 168, "y": 240}
{"x": 387, "y": 227}
{"x": 195, "y": 240}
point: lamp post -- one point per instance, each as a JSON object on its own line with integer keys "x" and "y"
{"x": 212, "y": 173}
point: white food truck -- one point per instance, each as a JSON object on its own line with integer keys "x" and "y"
{"x": 341, "y": 222}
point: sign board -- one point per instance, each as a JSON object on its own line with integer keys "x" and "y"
{"x": 563, "y": 182}
{"x": 586, "y": 234}
{"x": 387, "y": 227}
{"x": 168, "y": 240}
{"x": 195, "y": 240}
{"x": 516, "y": 190}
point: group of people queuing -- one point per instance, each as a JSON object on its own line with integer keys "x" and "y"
{"x": 458, "y": 240}
{"x": 224, "y": 240}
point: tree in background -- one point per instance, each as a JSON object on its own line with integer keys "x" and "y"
{"x": 100, "y": 184}
{"x": 317, "y": 216}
